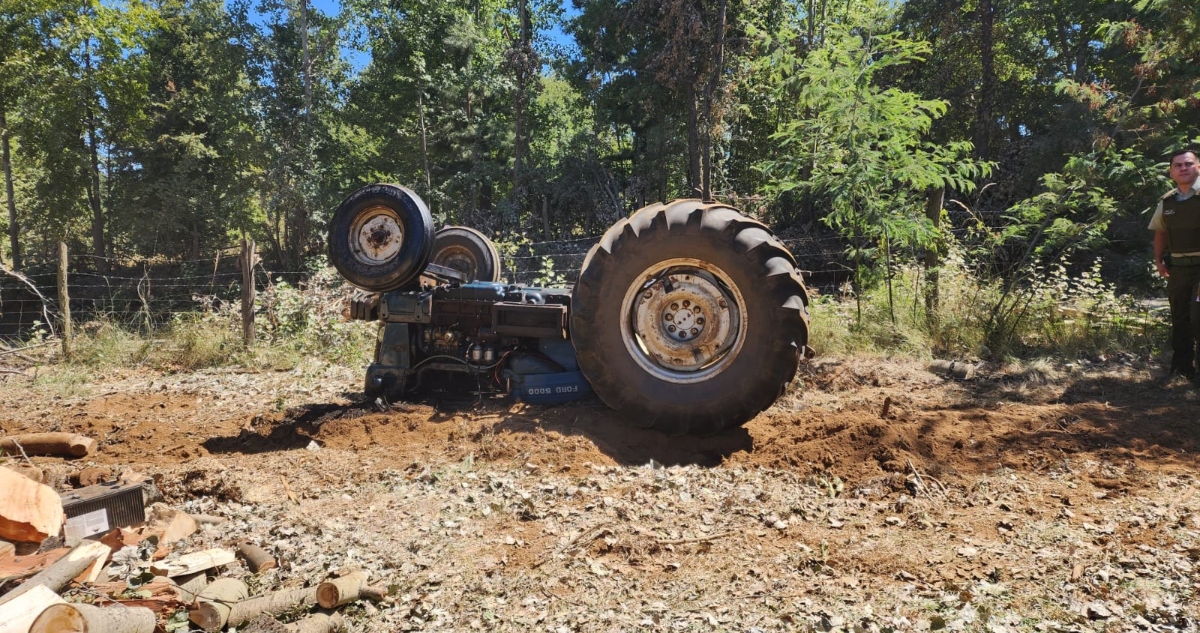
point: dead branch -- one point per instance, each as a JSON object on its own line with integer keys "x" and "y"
{"x": 694, "y": 539}
{"x": 45, "y": 302}
{"x": 591, "y": 533}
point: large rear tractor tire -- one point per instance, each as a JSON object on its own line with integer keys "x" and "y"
{"x": 468, "y": 251}
{"x": 689, "y": 317}
{"x": 381, "y": 237}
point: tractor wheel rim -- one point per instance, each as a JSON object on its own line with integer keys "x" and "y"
{"x": 460, "y": 259}
{"x": 376, "y": 236}
{"x": 683, "y": 320}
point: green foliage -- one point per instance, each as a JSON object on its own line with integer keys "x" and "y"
{"x": 165, "y": 130}
{"x": 293, "y": 323}
{"x": 1059, "y": 315}
{"x": 859, "y": 147}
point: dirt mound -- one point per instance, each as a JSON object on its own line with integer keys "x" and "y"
{"x": 857, "y": 420}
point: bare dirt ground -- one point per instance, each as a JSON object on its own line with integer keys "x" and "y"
{"x": 874, "y": 496}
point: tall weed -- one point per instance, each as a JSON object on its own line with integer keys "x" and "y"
{"x": 1054, "y": 315}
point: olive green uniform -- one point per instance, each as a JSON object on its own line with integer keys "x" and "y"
{"x": 1179, "y": 216}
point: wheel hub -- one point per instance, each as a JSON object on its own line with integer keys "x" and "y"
{"x": 459, "y": 259}
{"x": 685, "y": 321}
{"x": 376, "y": 236}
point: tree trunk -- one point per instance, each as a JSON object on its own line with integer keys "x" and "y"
{"x": 93, "y": 189}
{"x": 693, "y": 143}
{"x": 933, "y": 210}
{"x": 424, "y": 145}
{"x": 710, "y": 126}
{"x": 307, "y": 64}
{"x": 519, "y": 102}
{"x": 987, "y": 84}
{"x": 13, "y": 228}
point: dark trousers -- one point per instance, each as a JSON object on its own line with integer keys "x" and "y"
{"x": 1181, "y": 292}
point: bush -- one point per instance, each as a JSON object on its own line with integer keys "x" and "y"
{"x": 1055, "y": 315}
{"x": 293, "y": 322}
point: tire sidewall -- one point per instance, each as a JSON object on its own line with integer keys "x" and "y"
{"x": 624, "y": 383}
{"x": 415, "y": 221}
{"x": 487, "y": 258}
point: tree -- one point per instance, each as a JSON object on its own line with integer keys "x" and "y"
{"x": 861, "y": 145}
{"x": 85, "y": 108}
{"x": 195, "y": 185}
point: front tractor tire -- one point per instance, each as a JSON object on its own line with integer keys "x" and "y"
{"x": 689, "y": 317}
{"x": 468, "y": 251}
{"x": 381, "y": 237}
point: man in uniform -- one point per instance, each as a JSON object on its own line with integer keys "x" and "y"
{"x": 1176, "y": 226}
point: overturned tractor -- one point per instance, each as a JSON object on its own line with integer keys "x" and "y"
{"x": 687, "y": 317}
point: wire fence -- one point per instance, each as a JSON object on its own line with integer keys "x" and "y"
{"x": 151, "y": 291}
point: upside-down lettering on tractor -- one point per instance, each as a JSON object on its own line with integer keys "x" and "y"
{"x": 687, "y": 317}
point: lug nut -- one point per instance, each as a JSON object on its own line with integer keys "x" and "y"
{"x": 670, "y": 328}
{"x": 722, "y": 303}
{"x": 674, "y": 306}
{"x": 699, "y": 320}
{"x": 686, "y": 303}
{"x": 668, "y": 317}
{"x": 648, "y": 294}
{"x": 695, "y": 331}
{"x": 682, "y": 334}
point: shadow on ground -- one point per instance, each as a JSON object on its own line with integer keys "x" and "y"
{"x": 949, "y": 430}
{"x": 493, "y": 428}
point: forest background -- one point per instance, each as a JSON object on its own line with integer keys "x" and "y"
{"x": 984, "y": 168}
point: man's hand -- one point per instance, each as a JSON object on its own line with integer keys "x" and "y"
{"x": 1162, "y": 269}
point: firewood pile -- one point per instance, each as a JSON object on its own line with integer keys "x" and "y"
{"x": 109, "y": 557}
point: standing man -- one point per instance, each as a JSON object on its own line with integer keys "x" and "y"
{"x": 1176, "y": 226}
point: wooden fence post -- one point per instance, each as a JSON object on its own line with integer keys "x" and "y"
{"x": 934, "y": 199}
{"x": 64, "y": 300}
{"x": 248, "y": 260}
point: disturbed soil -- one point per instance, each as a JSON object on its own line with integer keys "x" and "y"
{"x": 873, "y": 496}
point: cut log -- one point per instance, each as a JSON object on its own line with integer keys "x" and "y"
{"x": 192, "y": 563}
{"x": 319, "y": 623}
{"x": 16, "y": 616}
{"x": 63, "y": 570}
{"x": 191, "y": 585}
{"x": 273, "y": 603}
{"x": 29, "y": 511}
{"x": 374, "y": 594}
{"x": 335, "y": 593}
{"x": 57, "y": 444}
{"x": 207, "y": 519}
{"x": 953, "y": 369}
{"x": 214, "y": 603}
{"x": 85, "y": 618}
{"x": 92, "y": 476}
{"x": 256, "y": 557}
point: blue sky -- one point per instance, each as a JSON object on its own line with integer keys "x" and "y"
{"x": 358, "y": 59}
